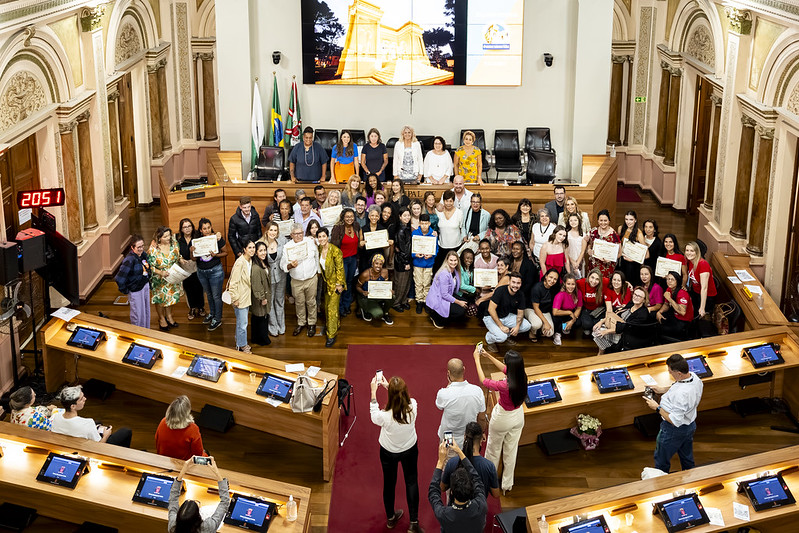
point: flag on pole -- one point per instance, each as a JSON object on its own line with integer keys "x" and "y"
{"x": 257, "y": 123}
{"x": 294, "y": 119}
{"x": 276, "y": 121}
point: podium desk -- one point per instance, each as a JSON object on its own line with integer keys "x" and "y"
{"x": 104, "y": 494}
{"x": 614, "y": 409}
{"x": 235, "y": 389}
{"x": 642, "y": 494}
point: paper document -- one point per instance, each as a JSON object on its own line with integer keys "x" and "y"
{"x": 716, "y": 518}
{"x": 648, "y": 380}
{"x": 295, "y": 367}
{"x": 741, "y": 511}
{"x": 205, "y": 246}
{"x": 65, "y": 313}
{"x": 754, "y": 289}
{"x": 179, "y": 372}
{"x": 744, "y": 276}
{"x": 273, "y": 402}
{"x": 313, "y": 370}
{"x": 734, "y": 280}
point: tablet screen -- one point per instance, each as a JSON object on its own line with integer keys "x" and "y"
{"x": 154, "y": 490}
{"x": 250, "y": 513}
{"x": 85, "y": 338}
{"x": 612, "y": 380}
{"x": 699, "y": 366}
{"x": 683, "y": 513}
{"x": 62, "y": 468}
{"x": 206, "y": 367}
{"x": 141, "y": 355}
{"x": 591, "y": 525}
{"x": 763, "y": 354}
{"x": 542, "y": 392}
{"x": 275, "y": 387}
{"x": 768, "y": 492}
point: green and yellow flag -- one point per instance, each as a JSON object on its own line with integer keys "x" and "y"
{"x": 275, "y": 137}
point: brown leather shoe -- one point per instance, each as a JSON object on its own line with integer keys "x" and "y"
{"x": 391, "y": 523}
{"x": 415, "y": 528}
{"x": 297, "y": 330}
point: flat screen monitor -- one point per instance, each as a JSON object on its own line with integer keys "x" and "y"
{"x": 62, "y": 470}
{"x": 86, "y": 338}
{"x": 207, "y": 368}
{"x": 142, "y": 356}
{"x": 698, "y": 365}
{"x": 612, "y": 380}
{"x": 768, "y": 492}
{"x": 764, "y": 355}
{"x": 683, "y": 512}
{"x": 275, "y": 387}
{"x": 249, "y": 512}
{"x": 542, "y": 392}
{"x": 590, "y": 525}
{"x": 153, "y": 490}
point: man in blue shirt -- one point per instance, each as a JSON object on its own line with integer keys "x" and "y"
{"x": 308, "y": 161}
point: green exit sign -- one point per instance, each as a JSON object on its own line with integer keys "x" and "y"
{"x": 640, "y": 99}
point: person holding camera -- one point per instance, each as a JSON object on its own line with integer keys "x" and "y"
{"x": 187, "y": 517}
{"x": 677, "y": 407}
{"x": 69, "y": 423}
{"x": 467, "y": 514}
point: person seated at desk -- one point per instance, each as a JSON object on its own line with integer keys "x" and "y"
{"x": 177, "y": 435}
{"x": 187, "y": 517}
{"x": 472, "y": 441}
{"x": 69, "y": 423}
{"x": 467, "y": 514}
{"x": 308, "y": 161}
{"x": 24, "y": 413}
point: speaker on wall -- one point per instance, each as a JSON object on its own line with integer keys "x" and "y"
{"x": 31, "y": 250}
{"x": 9, "y": 266}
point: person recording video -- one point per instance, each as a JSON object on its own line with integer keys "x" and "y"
{"x": 186, "y": 518}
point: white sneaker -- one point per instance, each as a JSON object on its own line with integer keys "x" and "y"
{"x": 556, "y": 339}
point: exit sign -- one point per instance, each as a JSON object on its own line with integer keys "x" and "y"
{"x": 640, "y": 99}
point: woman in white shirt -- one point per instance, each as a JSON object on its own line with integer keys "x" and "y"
{"x": 438, "y": 163}
{"x": 449, "y": 228}
{"x": 408, "y": 161}
{"x": 397, "y": 446}
{"x": 541, "y": 232}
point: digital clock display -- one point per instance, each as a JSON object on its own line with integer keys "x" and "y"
{"x": 40, "y": 198}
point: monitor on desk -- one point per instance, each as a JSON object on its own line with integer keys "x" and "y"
{"x": 768, "y": 492}
{"x": 153, "y": 490}
{"x": 250, "y": 512}
{"x": 590, "y": 525}
{"x": 62, "y": 470}
{"x": 681, "y": 513}
{"x": 698, "y": 365}
{"x": 207, "y": 368}
{"x": 612, "y": 380}
{"x": 86, "y": 338}
{"x": 764, "y": 355}
{"x": 143, "y": 356}
{"x": 542, "y": 392}
{"x": 275, "y": 387}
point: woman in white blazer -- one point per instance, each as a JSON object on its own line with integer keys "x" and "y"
{"x": 408, "y": 162}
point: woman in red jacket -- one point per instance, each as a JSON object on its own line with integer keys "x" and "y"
{"x": 177, "y": 435}
{"x": 700, "y": 280}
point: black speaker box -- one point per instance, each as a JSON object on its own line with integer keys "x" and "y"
{"x": 750, "y": 406}
{"x": 560, "y": 441}
{"x": 31, "y": 249}
{"x": 9, "y": 265}
{"x": 648, "y": 425}
{"x": 96, "y": 388}
{"x": 16, "y": 517}
{"x": 91, "y": 527}
{"x": 215, "y": 418}
{"x": 513, "y": 521}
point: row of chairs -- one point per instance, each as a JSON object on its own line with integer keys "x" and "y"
{"x": 535, "y": 163}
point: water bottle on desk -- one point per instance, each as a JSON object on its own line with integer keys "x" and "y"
{"x": 291, "y": 509}
{"x": 543, "y": 525}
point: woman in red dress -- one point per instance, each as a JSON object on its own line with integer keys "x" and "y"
{"x": 603, "y": 232}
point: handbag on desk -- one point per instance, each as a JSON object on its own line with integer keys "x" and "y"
{"x": 306, "y": 396}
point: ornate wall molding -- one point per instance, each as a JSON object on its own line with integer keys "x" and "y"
{"x": 792, "y": 104}
{"x": 740, "y": 20}
{"x": 184, "y": 69}
{"x": 129, "y": 43}
{"x": 91, "y": 18}
{"x": 701, "y": 47}
{"x": 764, "y": 132}
{"x": 729, "y": 69}
{"x": 22, "y": 96}
{"x": 642, "y": 73}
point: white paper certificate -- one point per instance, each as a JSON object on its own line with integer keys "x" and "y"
{"x": 605, "y": 251}
{"x": 635, "y": 251}
{"x": 296, "y": 251}
{"x": 379, "y": 290}
{"x": 421, "y": 244}
{"x": 485, "y": 277}
{"x": 376, "y": 239}
{"x": 284, "y": 227}
{"x": 205, "y": 246}
{"x": 663, "y": 266}
{"x": 176, "y": 274}
{"x": 330, "y": 215}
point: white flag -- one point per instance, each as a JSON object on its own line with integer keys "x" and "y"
{"x": 258, "y": 129}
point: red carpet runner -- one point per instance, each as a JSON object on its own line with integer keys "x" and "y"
{"x": 356, "y": 503}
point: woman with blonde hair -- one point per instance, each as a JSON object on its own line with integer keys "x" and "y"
{"x": 177, "y": 435}
{"x": 469, "y": 160}
{"x": 397, "y": 446}
{"x": 352, "y": 190}
{"x": 700, "y": 280}
{"x": 408, "y": 162}
{"x": 571, "y": 206}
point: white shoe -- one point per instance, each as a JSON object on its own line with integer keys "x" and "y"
{"x": 556, "y": 339}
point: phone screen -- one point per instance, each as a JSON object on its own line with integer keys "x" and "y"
{"x": 379, "y": 376}
{"x": 448, "y": 438}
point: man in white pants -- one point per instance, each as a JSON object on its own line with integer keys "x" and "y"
{"x": 505, "y": 316}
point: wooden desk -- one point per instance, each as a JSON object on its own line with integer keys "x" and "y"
{"x": 725, "y": 265}
{"x": 644, "y": 493}
{"x": 235, "y": 389}
{"x": 104, "y": 495}
{"x": 620, "y": 408}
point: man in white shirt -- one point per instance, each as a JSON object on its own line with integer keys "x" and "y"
{"x": 69, "y": 423}
{"x": 303, "y": 278}
{"x": 461, "y": 402}
{"x": 306, "y": 214}
{"x": 678, "y": 407}
{"x": 463, "y": 196}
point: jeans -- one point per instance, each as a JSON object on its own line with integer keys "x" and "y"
{"x": 390, "y": 462}
{"x": 213, "y": 281}
{"x": 242, "y": 316}
{"x": 671, "y": 440}
{"x": 495, "y": 334}
{"x": 350, "y": 267}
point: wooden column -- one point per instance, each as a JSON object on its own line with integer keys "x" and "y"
{"x": 86, "y": 173}
{"x": 674, "y": 112}
{"x": 663, "y": 109}
{"x": 209, "y": 100}
{"x": 166, "y": 142}
{"x": 710, "y": 183}
{"x": 616, "y": 80}
{"x": 197, "y": 117}
{"x": 628, "y": 98}
{"x": 155, "y": 112}
{"x": 113, "y": 127}
{"x": 743, "y": 179}
{"x": 74, "y": 230}
{"x": 757, "y": 218}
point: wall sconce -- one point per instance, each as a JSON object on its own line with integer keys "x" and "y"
{"x": 548, "y": 59}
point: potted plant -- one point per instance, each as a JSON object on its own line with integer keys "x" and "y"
{"x": 588, "y": 430}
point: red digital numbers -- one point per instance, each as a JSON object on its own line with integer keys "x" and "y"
{"x": 40, "y": 198}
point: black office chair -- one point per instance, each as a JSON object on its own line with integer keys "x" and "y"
{"x": 271, "y": 164}
{"x": 540, "y": 167}
{"x": 537, "y": 139}
{"x": 507, "y": 156}
{"x": 480, "y": 142}
{"x": 358, "y": 137}
{"x": 327, "y": 138}
{"x": 427, "y": 143}
{"x": 390, "y": 149}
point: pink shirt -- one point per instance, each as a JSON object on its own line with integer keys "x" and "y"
{"x": 655, "y": 294}
{"x": 479, "y": 262}
{"x": 502, "y": 388}
{"x": 565, "y": 302}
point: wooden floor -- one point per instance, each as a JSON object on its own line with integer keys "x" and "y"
{"x": 622, "y": 454}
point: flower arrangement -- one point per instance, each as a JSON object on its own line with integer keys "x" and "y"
{"x": 588, "y": 430}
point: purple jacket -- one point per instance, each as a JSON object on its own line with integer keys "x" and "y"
{"x": 442, "y": 292}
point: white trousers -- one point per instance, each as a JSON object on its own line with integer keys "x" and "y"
{"x": 504, "y": 432}
{"x": 536, "y": 323}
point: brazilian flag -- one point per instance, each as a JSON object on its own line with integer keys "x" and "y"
{"x": 275, "y": 137}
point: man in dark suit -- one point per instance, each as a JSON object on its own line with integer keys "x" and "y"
{"x": 244, "y": 225}
{"x": 555, "y": 207}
